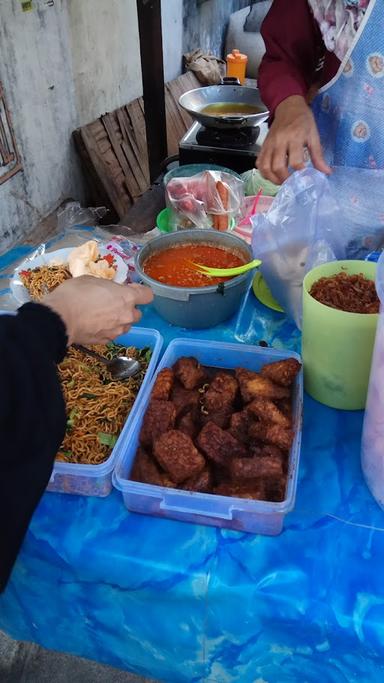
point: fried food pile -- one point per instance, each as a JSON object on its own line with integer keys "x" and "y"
{"x": 219, "y": 431}
{"x": 351, "y": 293}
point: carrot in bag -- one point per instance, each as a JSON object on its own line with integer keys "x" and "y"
{"x": 222, "y": 220}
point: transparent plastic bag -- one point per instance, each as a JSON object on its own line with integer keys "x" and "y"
{"x": 300, "y": 231}
{"x": 73, "y": 214}
{"x": 206, "y": 200}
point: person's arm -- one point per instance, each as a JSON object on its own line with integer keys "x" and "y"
{"x": 293, "y": 48}
{"x": 32, "y": 419}
{"x": 84, "y": 310}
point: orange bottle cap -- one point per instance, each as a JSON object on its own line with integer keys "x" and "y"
{"x": 237, "y": 56}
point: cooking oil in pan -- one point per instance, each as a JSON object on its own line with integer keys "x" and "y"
{"x": 231, "y": 109}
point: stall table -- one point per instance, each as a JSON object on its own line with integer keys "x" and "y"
{"x": 186, "y": 603}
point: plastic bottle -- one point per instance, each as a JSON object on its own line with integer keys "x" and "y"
{"x": 236, "y": 65}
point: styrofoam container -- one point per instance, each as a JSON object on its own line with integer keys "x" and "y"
{"x": 204, "y": 508}
{"x": 96, "y": 480}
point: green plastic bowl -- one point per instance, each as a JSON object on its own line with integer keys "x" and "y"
{"x": 192, "y": 169}
{"x": 163, "y": 221}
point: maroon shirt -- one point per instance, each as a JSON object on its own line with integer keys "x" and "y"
{"x": 296, "y": 58}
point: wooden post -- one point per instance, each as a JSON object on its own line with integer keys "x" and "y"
{"x": 151, "y": 52}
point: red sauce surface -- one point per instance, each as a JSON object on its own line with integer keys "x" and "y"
{"x": 173, "y": 266}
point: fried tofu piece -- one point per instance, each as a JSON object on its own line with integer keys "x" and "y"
{"x": 221, "y": 418}
{"x": 275, "y": 490}
{"x": 272, "y": 434}
{"x": 188, "y": 423}
{"x": 177, "y": 455}
{"x": 239, "y": 424}
{"x": 254, "y": 490}
{"x": 253, "y": 385}
{"x": 282, "y": 372}
{"x": 221, "y": 393}
{"x": 163, "y": 385}
{"x": 159, "y": 418}
{"x": 200, "y": 482}
{"x": 285, "y": 405}
{"x": 267, "y": 411}
{"x": 183, "y": 399}
{"x": 189, "y": 372}
{"x": 145, "y": 469}
{"x": 256, "y": 467}
{"x": 218, "y": 445}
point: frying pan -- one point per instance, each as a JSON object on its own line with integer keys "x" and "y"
{"x": 195, "y": 100}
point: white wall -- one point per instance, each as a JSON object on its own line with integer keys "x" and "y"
{"x": 106, "y": 55}
{"x": 172, "y": 28}
{"x": 37, "y": 78}
{"x": 62, "y": 67}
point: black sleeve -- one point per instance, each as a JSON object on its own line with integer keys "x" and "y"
{"x": 32, "y": 419}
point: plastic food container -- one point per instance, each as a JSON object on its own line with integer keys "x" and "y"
{"x": 204, "y": 508}
{"x": 96, "y": 480}
{"x": 196, "y": 307}
{"x": 337, "y": 346}
{"x": 372, "y": 453}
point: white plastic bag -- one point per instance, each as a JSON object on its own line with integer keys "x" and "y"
{"x": 299, "y": 231}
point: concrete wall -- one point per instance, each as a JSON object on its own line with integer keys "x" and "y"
{"x": 62, "y": 66}
{"x": 205, "y": 23}
{"x": 37, "y": 76}
{"x": 104, "y": 40}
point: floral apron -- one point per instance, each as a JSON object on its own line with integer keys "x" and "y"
{"x": 349, "y": 110}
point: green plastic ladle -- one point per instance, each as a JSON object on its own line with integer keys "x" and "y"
{"x": 226, "y": 272}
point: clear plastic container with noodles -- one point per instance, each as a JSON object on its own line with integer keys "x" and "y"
{"x": 372, "y": 451}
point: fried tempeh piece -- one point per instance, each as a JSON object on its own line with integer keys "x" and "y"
{"x": 176, "y": 453}
{"x": 219, "y": 445}
{"x": 266, "y": 411}
{"x": 221, "y": 392}
{"x": 163, "y": 385}
{"x": 189, "y": 372}
{"x": 253, "y": 385}
{"x": 272, "y": 433}
{"x": 256, "y": 467}
{"x": 159, "y": 418}
{"x": 200, "y": 482}
{"x": 184, "y": 399}
{"x": 254, "y": 490}
{"x": 282, "y": 372}
{"x": 145, "y": 469}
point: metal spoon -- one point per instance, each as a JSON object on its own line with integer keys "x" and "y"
{"x": 120, "y": 367}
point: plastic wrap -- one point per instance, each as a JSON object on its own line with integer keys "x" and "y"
{"x": 206, "y": 200}
{"x": 300, "y": 231}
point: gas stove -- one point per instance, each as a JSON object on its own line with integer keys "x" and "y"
{"x": 237, "y": 148}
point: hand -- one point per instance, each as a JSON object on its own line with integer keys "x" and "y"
{"x": 293, "y": 129}
{"x": 95, "y": 311}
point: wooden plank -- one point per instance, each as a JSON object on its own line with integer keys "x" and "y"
{"x": 141, "y": 180}
{"x": 116, "y": 146}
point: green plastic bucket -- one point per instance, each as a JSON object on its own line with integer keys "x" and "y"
{"x": 337, "y": 346}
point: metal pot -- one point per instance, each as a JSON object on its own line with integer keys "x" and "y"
{"x": 196, "y": 100}
{"x": 196, "y": 307}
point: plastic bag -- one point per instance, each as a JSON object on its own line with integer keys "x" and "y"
{"x": 254, "y": 181}
{"x": 300, "y": 231}
{"x": 74, "y": 214}
{"x": 206, "y": 200}
{"x": 206, "y": 67}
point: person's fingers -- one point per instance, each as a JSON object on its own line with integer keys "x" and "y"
{"x": 142, "y": 294}
{"x": 137, "y": 315}
{"x": 296, "y": 155}
{"x": 280, "y": 165}
{"x": 264, "y": 164}
{"x": 316, "y": 153}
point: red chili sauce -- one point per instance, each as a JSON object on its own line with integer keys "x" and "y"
{"x": 173, "y": 266}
